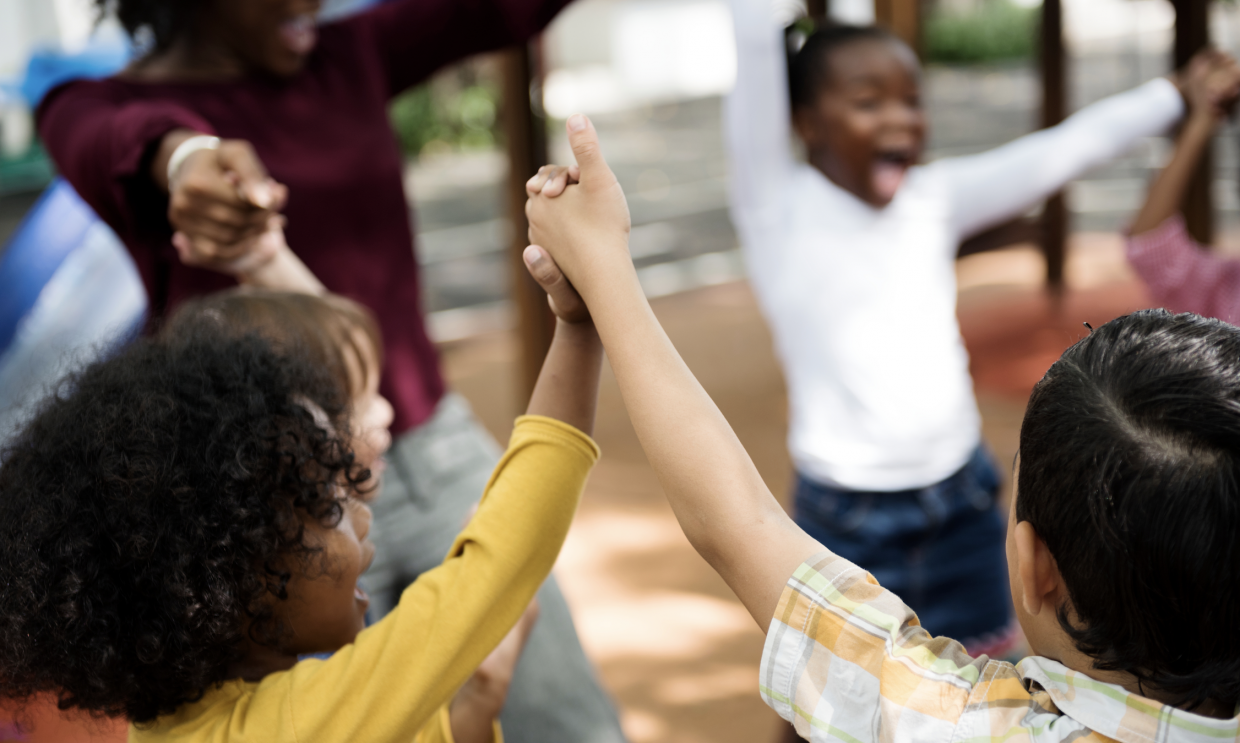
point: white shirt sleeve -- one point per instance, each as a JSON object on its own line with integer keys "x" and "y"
{"x": 990, "y": 187}
{"x": 756, "y": 124}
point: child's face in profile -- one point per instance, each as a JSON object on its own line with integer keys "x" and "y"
{"x": 326, "y": 608}
{"x": 867, "y": 127}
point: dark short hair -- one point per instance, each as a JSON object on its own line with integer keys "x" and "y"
{"x": 809, "y": 51}
{"x": 164, "y": 20}
{"x": 150, "y": 514}
{"x": 1130, "y": 472}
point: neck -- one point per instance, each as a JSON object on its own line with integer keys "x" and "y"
{"x": 1081, "y": 663}
{"x": 824, "y": 162}
{"x": 259, "y": 662}
{"x": 199, "y": 56}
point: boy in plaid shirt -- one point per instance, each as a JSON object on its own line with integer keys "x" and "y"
{"x": 1121, "y": 541}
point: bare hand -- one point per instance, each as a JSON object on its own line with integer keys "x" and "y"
{"x": 551, "y": 180}
{"x": 586, "y": 227}
{"x": 565, "y": 302}
{"x": 1211, "y": 83}
{"x": 225, "y": 209}
{"x": 478, "y": 704}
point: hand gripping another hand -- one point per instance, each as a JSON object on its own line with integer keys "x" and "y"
{"x": 579, "y": 215}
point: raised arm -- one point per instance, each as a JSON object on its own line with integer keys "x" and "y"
{"x": 756, "y": 123}
{"x": 452, "y": 617}
{"x": 721, "y": 502}
{"x": 1211, "y": 83}
{"x": 1002, "y": 183}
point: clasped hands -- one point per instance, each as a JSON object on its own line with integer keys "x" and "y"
{"x": 578, "y": 225}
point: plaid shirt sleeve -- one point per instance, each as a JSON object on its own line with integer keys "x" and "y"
{"x": 845, "y": 660}
{"x": 1182, "y": 276}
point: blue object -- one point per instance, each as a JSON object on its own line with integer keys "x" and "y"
{"x": 48, "y": 68}
{"x": 56, "y": 224}
{"x": 940, "y": 548}
{"x": 69, "y": 293}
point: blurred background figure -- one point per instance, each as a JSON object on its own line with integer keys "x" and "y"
{"x": 672, "y": 646}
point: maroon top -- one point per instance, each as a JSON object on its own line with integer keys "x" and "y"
{"x": 324, "y": 133}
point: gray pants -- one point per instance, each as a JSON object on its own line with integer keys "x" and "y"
{"x": 436, "y": 473}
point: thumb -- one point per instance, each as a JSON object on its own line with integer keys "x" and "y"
{"x": 583, "y": 138}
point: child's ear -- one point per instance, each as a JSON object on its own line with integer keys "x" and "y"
{"x": 1041, "y": 586}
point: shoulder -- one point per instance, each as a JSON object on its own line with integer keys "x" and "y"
{"x": 110, "y": 89}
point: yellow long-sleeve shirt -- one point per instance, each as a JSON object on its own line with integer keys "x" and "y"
{"x": 388, "y": 685}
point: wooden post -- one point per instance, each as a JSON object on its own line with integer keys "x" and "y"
{"x": 1192, "y": 32}
{"x": 525, "y": 134}
{"x": 902, "y": 18}
{"x": 1054, "y": 109}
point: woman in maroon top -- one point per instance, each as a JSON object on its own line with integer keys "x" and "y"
{"x": 299, "y": 137}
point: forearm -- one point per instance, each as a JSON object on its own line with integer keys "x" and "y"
{"x": 285, "y": 272}
{"x": 1167, "y": 192}
{"x": 158, "y": 171}
{"x": 716, "y": 492}
{"x": 471, "y": 724}
{"x": 567, "y": 386}
{"x": 1002, "y": 183}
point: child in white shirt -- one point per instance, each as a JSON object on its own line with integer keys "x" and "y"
{"x": 851, "y": 256}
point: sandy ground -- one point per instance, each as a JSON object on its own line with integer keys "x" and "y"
{"x": 672, "y": 645}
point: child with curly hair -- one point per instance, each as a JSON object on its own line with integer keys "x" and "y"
{"x": 1120, "y": 545}
{"x": 183, "y": 521}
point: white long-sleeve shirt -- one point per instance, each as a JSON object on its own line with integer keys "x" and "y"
{"x": 862, "y": 301}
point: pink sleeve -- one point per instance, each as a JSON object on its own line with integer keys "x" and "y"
{"x": 1182, "y": 276}
{"x": 102, "y": 143}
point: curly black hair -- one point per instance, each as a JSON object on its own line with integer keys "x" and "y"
{"x": 164, "y": 20}
{"x": 149, "y": 513}
{"x": 1130, "y": 471}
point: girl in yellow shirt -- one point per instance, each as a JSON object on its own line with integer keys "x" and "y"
{"x": 187, "y": 518}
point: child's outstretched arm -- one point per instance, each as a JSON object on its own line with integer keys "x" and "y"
{"x": 721, "y": 502}
{"x": 1210, "y": 84}
{"x": 999, "y": 184}
{"x": 1178, "y": 273}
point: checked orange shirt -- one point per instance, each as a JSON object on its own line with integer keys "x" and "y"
{"x": 845, "y": 660}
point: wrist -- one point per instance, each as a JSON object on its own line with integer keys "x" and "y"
{"x": 168, "y": 145}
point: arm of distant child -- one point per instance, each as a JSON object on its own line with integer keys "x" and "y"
{"x": 399, "y": 672}
{"x": 284, "y": 271}
{"x": 1211, "y": 84}
{"x": 999, "y": 184}
{"x": 756, "y": 124}
{"x": 1178, "y": 272}
{"x": 720, "y": 500}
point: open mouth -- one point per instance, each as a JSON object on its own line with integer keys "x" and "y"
{"x": 888, "y": 172}
{"x": 299, "y": 33}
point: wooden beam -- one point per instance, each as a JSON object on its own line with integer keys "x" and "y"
{"x": 525, "y": 135}
{"x": 902, "y": 18}
{"x": 1192, "y": 33}
{"x": 818, "y": 10}
{"x": 1054, "y": 109}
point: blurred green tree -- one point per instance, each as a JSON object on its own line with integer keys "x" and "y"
{"x": 990, "y": 31}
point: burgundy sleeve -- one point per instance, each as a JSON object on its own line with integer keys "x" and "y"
{"x": 101, "y": 142}
{"x": 414, "y": 38}
{"x": 1182, "y": 276}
